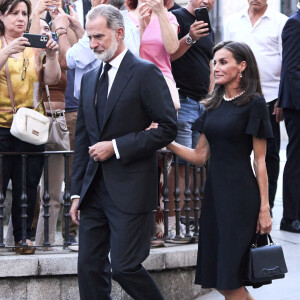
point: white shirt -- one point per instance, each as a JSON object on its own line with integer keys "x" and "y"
{"x": 264, "y": 38}
{"x": 115, "y": 64}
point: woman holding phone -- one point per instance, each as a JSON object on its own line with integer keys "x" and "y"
{"x": 26, "y": 75}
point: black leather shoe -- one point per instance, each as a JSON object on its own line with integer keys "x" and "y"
{"x": 290, "y": 225}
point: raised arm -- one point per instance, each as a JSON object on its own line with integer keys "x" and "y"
{"x": 264, "y": 222}
{"x": 52, "y": 71}
{"x": 197, "y": 30}
{"x": 41, "y": 7}
{"x": 168, "y": 31}
{"x": 198, "y": 156}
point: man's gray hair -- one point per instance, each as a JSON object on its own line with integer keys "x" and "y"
{"x": 112, "y": 15}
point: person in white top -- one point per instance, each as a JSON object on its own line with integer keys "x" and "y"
{"x": 260, "y": 27}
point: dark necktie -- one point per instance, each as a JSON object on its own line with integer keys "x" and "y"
{"x": 102, "y": 90}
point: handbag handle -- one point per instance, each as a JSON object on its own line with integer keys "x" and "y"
{"x": 258, "y": 236}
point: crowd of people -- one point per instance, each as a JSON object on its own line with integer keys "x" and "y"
{"x": 129, "y": 78}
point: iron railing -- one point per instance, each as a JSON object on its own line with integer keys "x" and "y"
{"x": 192, "y": 194}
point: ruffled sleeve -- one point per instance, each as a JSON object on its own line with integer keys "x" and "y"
{"x": 259, "y": 123}
{"x": 199, "y": 123}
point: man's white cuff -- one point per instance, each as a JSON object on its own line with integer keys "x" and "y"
{"x": 116, "y": 149}
{"x": 74, "y": 196}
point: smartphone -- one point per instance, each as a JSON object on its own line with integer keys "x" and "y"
{"x": 54, "y": 37}
{"x": 202, "y": 15}
{"x": 36, "y": 40}
{"x": 65, "y": 4}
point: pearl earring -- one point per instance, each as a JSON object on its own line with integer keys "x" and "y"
{"x": 241, "y": 75}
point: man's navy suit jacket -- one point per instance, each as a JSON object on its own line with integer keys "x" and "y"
{"x": 138, "y": 96}
{"x": 289, "y": 89}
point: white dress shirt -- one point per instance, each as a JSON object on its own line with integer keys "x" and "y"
{"x": 264, "y": 38}
{"x": 115, "y": 64}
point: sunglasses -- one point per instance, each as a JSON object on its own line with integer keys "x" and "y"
{"x": 24, "y": 68}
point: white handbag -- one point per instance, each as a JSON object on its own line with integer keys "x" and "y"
{"x": 28, "y": 125}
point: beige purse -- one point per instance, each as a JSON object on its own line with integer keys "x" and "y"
{"x": 28, "y": 125}
{"x": 59, "y": 139}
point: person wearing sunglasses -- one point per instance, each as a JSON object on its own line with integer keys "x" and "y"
{"x": 26, "y": 73}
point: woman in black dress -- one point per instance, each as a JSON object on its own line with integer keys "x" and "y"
{"x": 235, "y": 204}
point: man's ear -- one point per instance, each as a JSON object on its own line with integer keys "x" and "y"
{"x": 120, "y": 33}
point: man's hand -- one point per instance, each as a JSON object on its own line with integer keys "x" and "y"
{"x": 74, "y": 212}
{"x": 278, "y": 112}
{"x": 198, "y": 29}
{"x": 102, "y": 151}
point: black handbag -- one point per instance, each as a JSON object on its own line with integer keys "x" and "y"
{"x": 263, "y": 264}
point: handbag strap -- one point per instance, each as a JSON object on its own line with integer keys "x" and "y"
{"x": 49, "y": 100}
{"x": 9, "y": 86}
{"x": 10, "y": 90}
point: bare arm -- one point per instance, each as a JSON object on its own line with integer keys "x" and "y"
{"x": 264, "y": 222}
{"x": 60, "y": 25}
{"x": 168, "y": 31}
{"x": 41, "y": 7}
{"x": 197, "y": 30}
{"x": 198, "y": 156}
{"x": 75, "y": 24}
{"x": 52, "y": 71}
{"x": 16, "y": 46}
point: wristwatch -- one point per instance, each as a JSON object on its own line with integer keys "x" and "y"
{"x": 189, "y": 40}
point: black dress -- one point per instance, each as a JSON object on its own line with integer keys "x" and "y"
{"x": 231, "y": 202}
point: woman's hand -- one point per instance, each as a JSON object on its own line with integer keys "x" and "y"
{"x": 264, "y": 222}
{"x": 16, "y": 46}
{"x": 51, "y": 49}
{"x": 153, "y": 125}
{"x": 45, "y": 5}
{"x": 156, "y": 5}
{"x": 144, "y": 16}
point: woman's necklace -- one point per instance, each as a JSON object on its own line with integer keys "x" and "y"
{"x": 230, "y": 99}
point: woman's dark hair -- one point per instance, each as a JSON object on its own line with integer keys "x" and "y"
{"x": 250, "y": 82}
{"x": 132, "y": 4}
{"x": 7, "y": 6}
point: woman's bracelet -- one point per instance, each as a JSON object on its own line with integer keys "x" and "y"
{"x": 61, "y": 27}
{"x": 60, "y": 33}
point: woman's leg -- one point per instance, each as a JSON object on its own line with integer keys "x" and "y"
{"x": 237, "y": 294}
{"x": 34, "y": 169}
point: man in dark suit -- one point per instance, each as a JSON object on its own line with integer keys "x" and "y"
{"x": 289, "y": 100}
{"x": 114, "y": 169}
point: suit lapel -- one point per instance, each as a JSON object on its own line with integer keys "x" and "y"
{"x": 123, "y": 75}
{"x": 91, "y": 114}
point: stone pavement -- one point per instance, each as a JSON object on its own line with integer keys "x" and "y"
{"x": 289, "y": 287}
